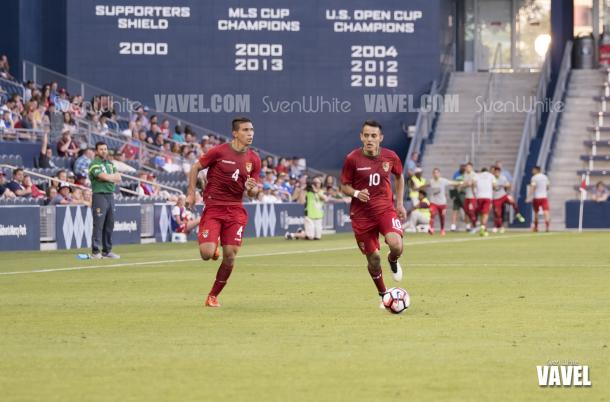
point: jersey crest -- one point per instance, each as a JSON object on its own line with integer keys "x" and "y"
{"x": 386, "y": 166}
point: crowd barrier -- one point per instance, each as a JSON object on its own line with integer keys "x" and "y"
{"x": 596, "y": 215}
{"x": 69, "y": 227}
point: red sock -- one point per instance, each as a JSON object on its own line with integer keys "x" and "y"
{"x": 442, "y": 218}
{"x": 547, "y": 224}
{"x": 513, "y": 204}
{"x": 224, "y": 271}
{"x": 377, "y": 276}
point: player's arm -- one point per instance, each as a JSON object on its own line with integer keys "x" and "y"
{"x": 362, "y": 195}
{"x": 347, "y": 176}
{"x": 399, "y": 183}
{"x": 192, "y": 184}
{"x": 252, "y": 188}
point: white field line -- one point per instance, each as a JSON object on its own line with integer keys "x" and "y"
{"x": 292, "y": 252}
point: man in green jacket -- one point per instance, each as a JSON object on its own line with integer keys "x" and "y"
{"x": 103, "y": 175}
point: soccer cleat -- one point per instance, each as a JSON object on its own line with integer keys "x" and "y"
{"x": 520, "y": 218}
{"x": 95, "y": 256}
{"x": 431, "y": 230}
{"x": 442, "y": 232}
{"x": 494, "y": 230}
{"x": 483, "y": 232}
{"x": 288, "y": 236}
{"x": 212, "y": 301}
{"x": 216, "y": 253}
{"x": 453, "y": 227}
{"x": 396, "y": 269}
{"x": 111, "y": 256}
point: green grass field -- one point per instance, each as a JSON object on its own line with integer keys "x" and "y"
{"x": 300, "y": 322}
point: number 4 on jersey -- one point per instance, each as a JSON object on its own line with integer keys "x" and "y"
{"x": 235, "y": 175}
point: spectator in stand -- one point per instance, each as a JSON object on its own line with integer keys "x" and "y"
{"x": 270, "y": 162}
{"x": 143, "y": 137}
{"x": 62, "y": 102}
{"x": 118, "y": 160}
{"x": 601, "y": 192}
{"x": 35, "y": 192}
{"x": 153, "y": 120}
{"x": 76, "y": 107}
{"x": 153, "y": 132}
{"x": 82, "y": 163}
{"x": 46, "y": 95}
{"x": 106, "y": 107}
{"x": 69, "y": 123}
{"x": 269, "y": 178}
{"x": 64, "y": 196}
{"x": 60, "y": 177}
{"x": 5, "y": 68}
{"x": 82, "y": 179}
{"x": 5, "y": 192}
{"x": 66, "y": 146}
{"x": 87, "y": 197}
{"x": 78, "y": 197}
{"x": 296, "y": 167}
{"x": 178, "y": 135}
{"x": 188, "y": 161}
{"x": 189, "y": 139}
{"x": 56, "y": 119}
{"x": 30, "y": 90}
{"x": 51, "y": 194}
{"x": 330, "y": 182}
{"x": 130, "y": 150}
{"x": 146, "y": 189}
{"x": 6, "y": 123}
{"x": 158, "y": 142}
{"x": 284, "y": 190}
{"x": 269, "y": 195}
{"x": 183, "y": 221}
{"x": 165, "y": 127}
{"x": 282, "y": 166}
{"x": 334, "y": 195}
{"x": 16, "y": 185}
{"x": 141, "y": 113}
{"x": 412, "y": 163}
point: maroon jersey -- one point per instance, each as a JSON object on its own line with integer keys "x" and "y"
{"x": 372, "y": 172}
{"x": 228, "y": 171}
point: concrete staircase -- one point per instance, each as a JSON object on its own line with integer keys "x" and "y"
{"x": 452, "y": 141}
{"x": 572, "y": 131}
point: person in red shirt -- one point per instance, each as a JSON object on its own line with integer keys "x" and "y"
{"x": 232, "y": 169}
{"x": 375, "y": 209}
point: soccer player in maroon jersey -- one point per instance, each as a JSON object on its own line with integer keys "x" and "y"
{"x": 375, "y": 209}
{"x": 232, "y": 169}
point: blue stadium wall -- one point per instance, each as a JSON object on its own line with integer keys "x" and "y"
{"x": 193, "y": 52}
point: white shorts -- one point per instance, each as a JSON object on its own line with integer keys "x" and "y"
{"x": 313, "y": 228}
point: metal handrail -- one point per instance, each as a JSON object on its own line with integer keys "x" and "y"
{"x": 15, "y": 84}
{"x": 480, "y": 117}
{"x": 425, "y": 116}
{"x": 55, "y": 179}
{"x": 551, "y": 124}
{"x": 530, "y": 127}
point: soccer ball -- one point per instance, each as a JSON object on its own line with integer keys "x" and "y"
{"x": 396, "y": 300}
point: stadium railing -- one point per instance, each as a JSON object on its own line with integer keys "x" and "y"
{"x": 479, "y": 121}
{"x": 550, "y": 130}
{"x": 530, "y": 127}
{"x": 426, "y": 116}
{"x": 124, "y": 106}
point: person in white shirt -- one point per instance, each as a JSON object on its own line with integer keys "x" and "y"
{"x": 437, "y": 188}
{"x": 183, "y": 220}
{"x": 483, "y": 185}
{"x": 501, "y": 197}
{"x": 539, "y": 187}
{"x": 470, "y": 201}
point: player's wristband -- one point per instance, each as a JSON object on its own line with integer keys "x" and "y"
{"x": 356, "y": 192}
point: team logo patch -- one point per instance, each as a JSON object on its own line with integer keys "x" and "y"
{"x": 386, "y": 166}
{"x": 248, "y": 167}
{"x": 205, "y": 234}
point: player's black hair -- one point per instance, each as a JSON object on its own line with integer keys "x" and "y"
{"x": 372, "y": 123}
{"x": 422, "y": 192}
{"x": 239, "y": 120}
{"x": 537, "y": 168}
{"x": 483, "y": 169}
{"x": 99, "y": 144}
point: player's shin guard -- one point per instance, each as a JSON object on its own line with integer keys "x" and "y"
{"x": 222, "y": 276}
{"x": 377, "y": 276}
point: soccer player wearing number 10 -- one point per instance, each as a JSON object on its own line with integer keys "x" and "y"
{"x": 366, "y": 177}
{"x": 232, "y": 169}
